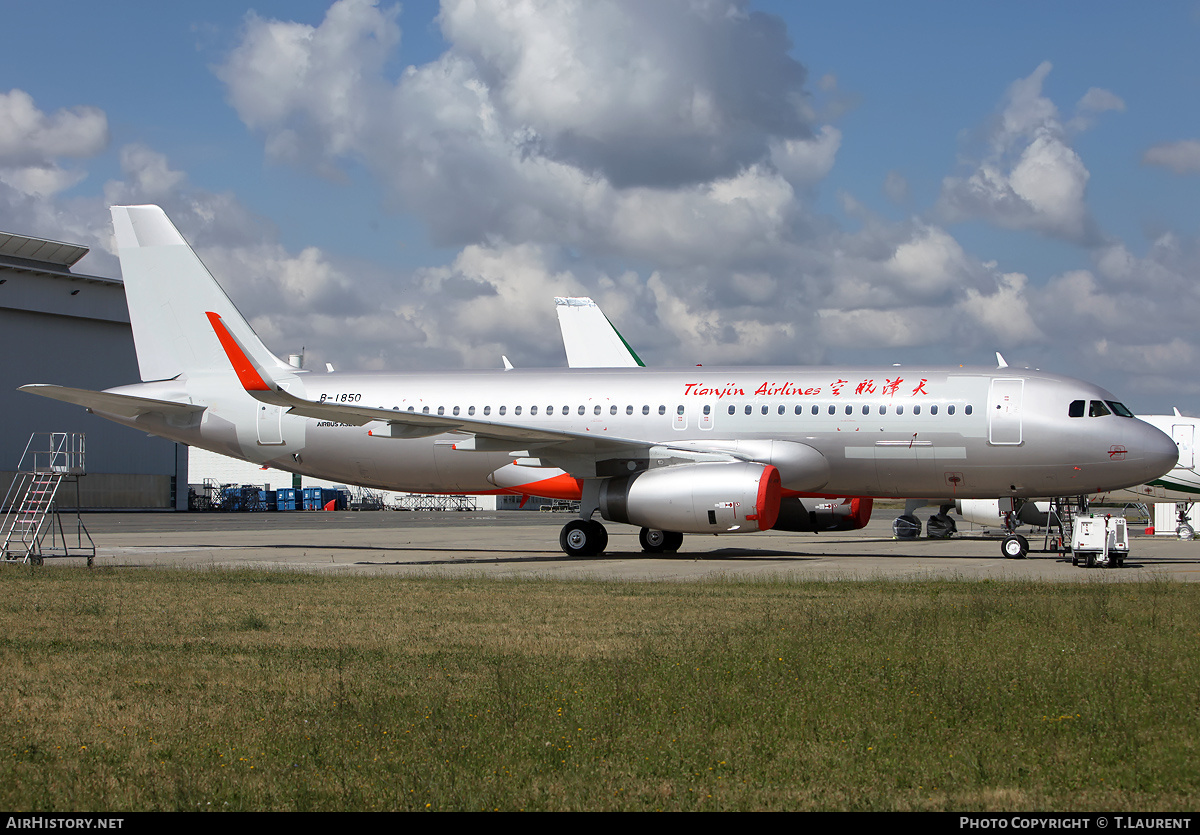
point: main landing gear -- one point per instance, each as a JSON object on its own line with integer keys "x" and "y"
{"x": 587, "y": 538}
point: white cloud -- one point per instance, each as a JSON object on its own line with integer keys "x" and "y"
{"x": 30, "y": 137}
{"x": 1031, "y": 178}
{"x": 31, "y": 143}
{"x": 1182, "y": 157}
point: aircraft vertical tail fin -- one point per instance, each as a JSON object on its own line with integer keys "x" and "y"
{"x": 170, "y": 292}
{"x": 590, "y": 338}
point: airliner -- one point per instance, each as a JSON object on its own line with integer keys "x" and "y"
{"x": 697, "y": 450}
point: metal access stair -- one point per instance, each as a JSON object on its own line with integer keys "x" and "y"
{"x": 32, "y": 516}
{"x": 1062, "y": 515}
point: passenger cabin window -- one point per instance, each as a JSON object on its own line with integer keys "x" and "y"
{"x": 732, "y": 409}
{"x": 1075, "y": 409}
{"x": 597, "y": 410}
{"x": 933, "y": 409}
{"x": 1098, "y": 409}
{"x": 662, "y": 410}
{"x": 645, "y": 410}
{"x": 749, "y": 409}
{"x": 533, "y": 410}
{"x": 487, "y": 410}
{"x": 612, "y": 410}
{"x": 516, "y": 410}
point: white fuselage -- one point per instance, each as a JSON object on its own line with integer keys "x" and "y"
{"x": 893, "y": 431}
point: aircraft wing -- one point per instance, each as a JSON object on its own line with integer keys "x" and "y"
{"x": 123, "y": 405}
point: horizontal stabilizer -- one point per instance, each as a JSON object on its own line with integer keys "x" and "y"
{"x": 123, "y": 405}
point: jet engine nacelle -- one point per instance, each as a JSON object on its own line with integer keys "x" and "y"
{"x": 695, "y": 498}
{"x": 803, "y": 515}
{"x": 987, "y": 512}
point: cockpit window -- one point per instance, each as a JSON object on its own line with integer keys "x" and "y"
{"x": 1076, "y": 409}
{"x": 1098, "y": 409}
{"x": 1119, "y": 408}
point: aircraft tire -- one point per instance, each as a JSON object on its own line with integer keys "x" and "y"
{"x": 906, "y": 527}
{"x": 1014, "y": 547}
{"x": 653, "y": 542}
{"x": 657, "y": 542}
{"x": 1186, "y": 533}
{"x": 583, "y": 538}
{"x": 940, "y": 526}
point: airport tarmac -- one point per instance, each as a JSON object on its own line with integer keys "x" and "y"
{"x": 525, "y": 544}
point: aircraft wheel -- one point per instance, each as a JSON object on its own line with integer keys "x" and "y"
{"x": 656, "y": 542}
{"x": 940, "y": 526}
{"x": 906, "y": 527}
{"x": 653, "y": 542}
{"x": 1186, "y": 532}
{"x": 583, "y": 538}
{"x": 1014, "y": 547}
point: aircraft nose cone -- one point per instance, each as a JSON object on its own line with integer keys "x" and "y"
{"x": 1158, "y": 451}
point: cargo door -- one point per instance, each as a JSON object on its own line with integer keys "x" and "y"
{"x": 270, "y": 424}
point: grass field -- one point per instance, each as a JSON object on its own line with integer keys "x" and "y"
{"x": 135, "y": 690}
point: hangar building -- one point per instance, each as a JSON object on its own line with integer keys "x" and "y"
{"x": 71, "y": 329}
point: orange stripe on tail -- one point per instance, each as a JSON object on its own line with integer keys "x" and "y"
{"x": 247, "y": 374}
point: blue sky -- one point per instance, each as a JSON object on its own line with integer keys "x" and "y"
{"x": 406, "y": 186}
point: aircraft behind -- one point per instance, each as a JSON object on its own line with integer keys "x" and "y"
{"x": 694, "y": 450}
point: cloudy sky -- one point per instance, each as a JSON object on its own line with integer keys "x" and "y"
{"x": 408, "y": 185}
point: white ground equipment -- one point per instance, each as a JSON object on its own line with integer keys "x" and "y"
{"x": 1099, "y": 540}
